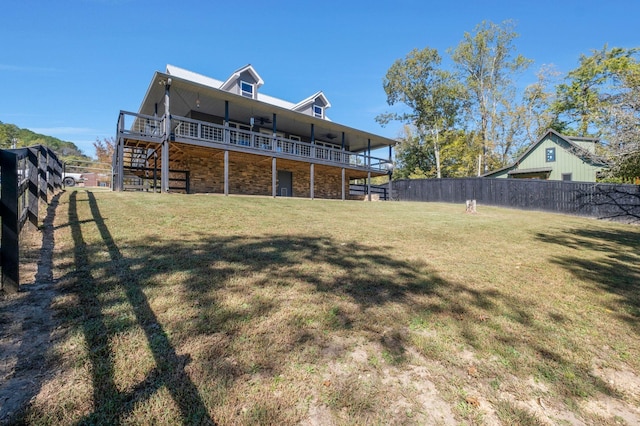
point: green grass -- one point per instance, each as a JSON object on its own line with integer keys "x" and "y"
{"x": 248, "y": 310}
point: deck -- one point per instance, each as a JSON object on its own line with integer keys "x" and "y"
{"x": 150, "y": 129}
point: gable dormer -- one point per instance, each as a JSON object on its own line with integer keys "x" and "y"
{"x": 588, "y": 144}
{"x": 315, "y": 105}
{"x": 244, "y": 82}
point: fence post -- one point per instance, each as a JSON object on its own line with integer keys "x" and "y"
{"x": 50, "y": 174}
{"x": 10, "y": 225}
{"x": 57, "y": 170}
{"x": 33, "y": 200}
{"x": 42, "y": 174}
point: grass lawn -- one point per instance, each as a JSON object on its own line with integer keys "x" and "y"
{"x": 247, "y": 310}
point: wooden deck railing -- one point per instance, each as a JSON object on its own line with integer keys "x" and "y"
{"x": 145, "y": 127}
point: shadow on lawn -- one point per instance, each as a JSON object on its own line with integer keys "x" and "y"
{"x": 110, "y": 404}
{"x": 363, "y": 275}
{"x": 616, "y": 268}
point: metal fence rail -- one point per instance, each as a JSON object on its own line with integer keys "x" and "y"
{"x": 360, "y": 189}
{"x": 599, "y": 200}
{"x": 27, "y": 176}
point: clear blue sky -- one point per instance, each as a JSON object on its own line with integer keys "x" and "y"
{"x": 69, "y": 66}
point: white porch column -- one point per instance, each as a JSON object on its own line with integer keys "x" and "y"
{"x": 343, "y": 190}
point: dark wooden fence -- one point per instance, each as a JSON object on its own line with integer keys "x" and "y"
{"x": 358, "y": 189}
{"x": 27, "y": 176}
{"x": 610, "y": 201}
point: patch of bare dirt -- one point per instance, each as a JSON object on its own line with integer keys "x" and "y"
{"x": 26, "y": 322}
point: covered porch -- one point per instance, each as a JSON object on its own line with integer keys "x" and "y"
{"x": 208, "y": 140}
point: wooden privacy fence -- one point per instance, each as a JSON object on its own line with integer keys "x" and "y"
{"x": 601, "y": 200}
{"x": 27, "y": 176}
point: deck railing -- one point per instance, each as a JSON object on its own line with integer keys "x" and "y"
{"x": 208, "y": 132}
{"x": 141, "y": 125}
{"x": 148, "y": 126}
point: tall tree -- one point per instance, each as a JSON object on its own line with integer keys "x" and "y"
{"x": 486, "y": 62}
{"x": 432, "y": 95}
{"x": 414, "y": 156}
{"x": 538, "y": 98}
{"x": 601, "y": 97}
{"x": 104, "y": 149}
{"x": 594, "y": 85}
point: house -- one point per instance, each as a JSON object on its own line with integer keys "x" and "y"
{"x": 556, "y": 157}
{"x": 196, "y": 134}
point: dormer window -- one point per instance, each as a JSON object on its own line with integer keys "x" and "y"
{"x": 318, "y": 111}
{"x": 246, "y": 89}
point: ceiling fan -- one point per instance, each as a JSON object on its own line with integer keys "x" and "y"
{"x": 260, "y": 121}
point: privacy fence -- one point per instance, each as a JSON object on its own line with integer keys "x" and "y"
{"x": 27, "y": 175}
{"x": 600, "y": 200}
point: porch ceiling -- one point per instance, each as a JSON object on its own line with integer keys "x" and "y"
{"x": 185, "y": 95}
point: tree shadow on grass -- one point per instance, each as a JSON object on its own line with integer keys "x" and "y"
{"x": 357, "y": 281}
{"x": 616, "y": 269}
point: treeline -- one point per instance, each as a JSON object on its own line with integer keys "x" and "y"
{"x": 465, "y": 116}
{"x": 12, "y": 135}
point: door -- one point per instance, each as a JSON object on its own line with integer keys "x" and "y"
{"x": 285, "y": 183}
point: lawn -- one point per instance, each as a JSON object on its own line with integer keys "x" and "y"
{"x": 198, "y": 309}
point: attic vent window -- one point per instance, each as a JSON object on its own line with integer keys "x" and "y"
{"x": 246, "y": 89}
{"x": 551, "y": 155}
{"x": 318, "y": 111}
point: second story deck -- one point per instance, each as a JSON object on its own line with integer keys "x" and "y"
{"x": 152, "y": 129}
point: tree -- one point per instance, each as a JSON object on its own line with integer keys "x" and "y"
{"x": 415, "y": 158}
{"x": 104, "y": 149}
{"x": 485, "y": 62}
{"x": 8, "y": 134}
{"x": 601, "y": 97}
{"x": 434, "y": 99}
{"x": 537, "y": 101}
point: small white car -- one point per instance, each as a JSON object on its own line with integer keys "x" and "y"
{"x": 72, "y": 179}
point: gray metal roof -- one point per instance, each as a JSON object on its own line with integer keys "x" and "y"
{"x": 189, "y": 88}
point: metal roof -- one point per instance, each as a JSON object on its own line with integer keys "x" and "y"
{"x": 189, "y": 89}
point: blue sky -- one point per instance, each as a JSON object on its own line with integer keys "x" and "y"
{"x": 69, "y": 66}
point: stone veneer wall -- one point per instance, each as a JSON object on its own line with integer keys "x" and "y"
{"x": 251, "y": 174}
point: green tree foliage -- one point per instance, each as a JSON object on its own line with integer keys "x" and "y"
{"x": 434, "y": 98}
{"x": 24, "y": 138}
{"x": 415, "y": 154}
{"x": 444, "y": 107}
{"x": 415, "y": 158}
{"x": 486, "y": 62}
{"x": 601, "y": 98}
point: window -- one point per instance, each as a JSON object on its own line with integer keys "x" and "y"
{"x": 246, "y": 89}
{"x": 295, "y": 138}
{"x": 318, "y": 111}
{"x": 566, "y": 177}
{"x": 551, "y": 155}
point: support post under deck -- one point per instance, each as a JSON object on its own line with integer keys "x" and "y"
{"x": 274, "y": 181}
{"x": 226, "y": 172}
{"x": 312, "y": 178}
{"x": 164, "y": 163}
